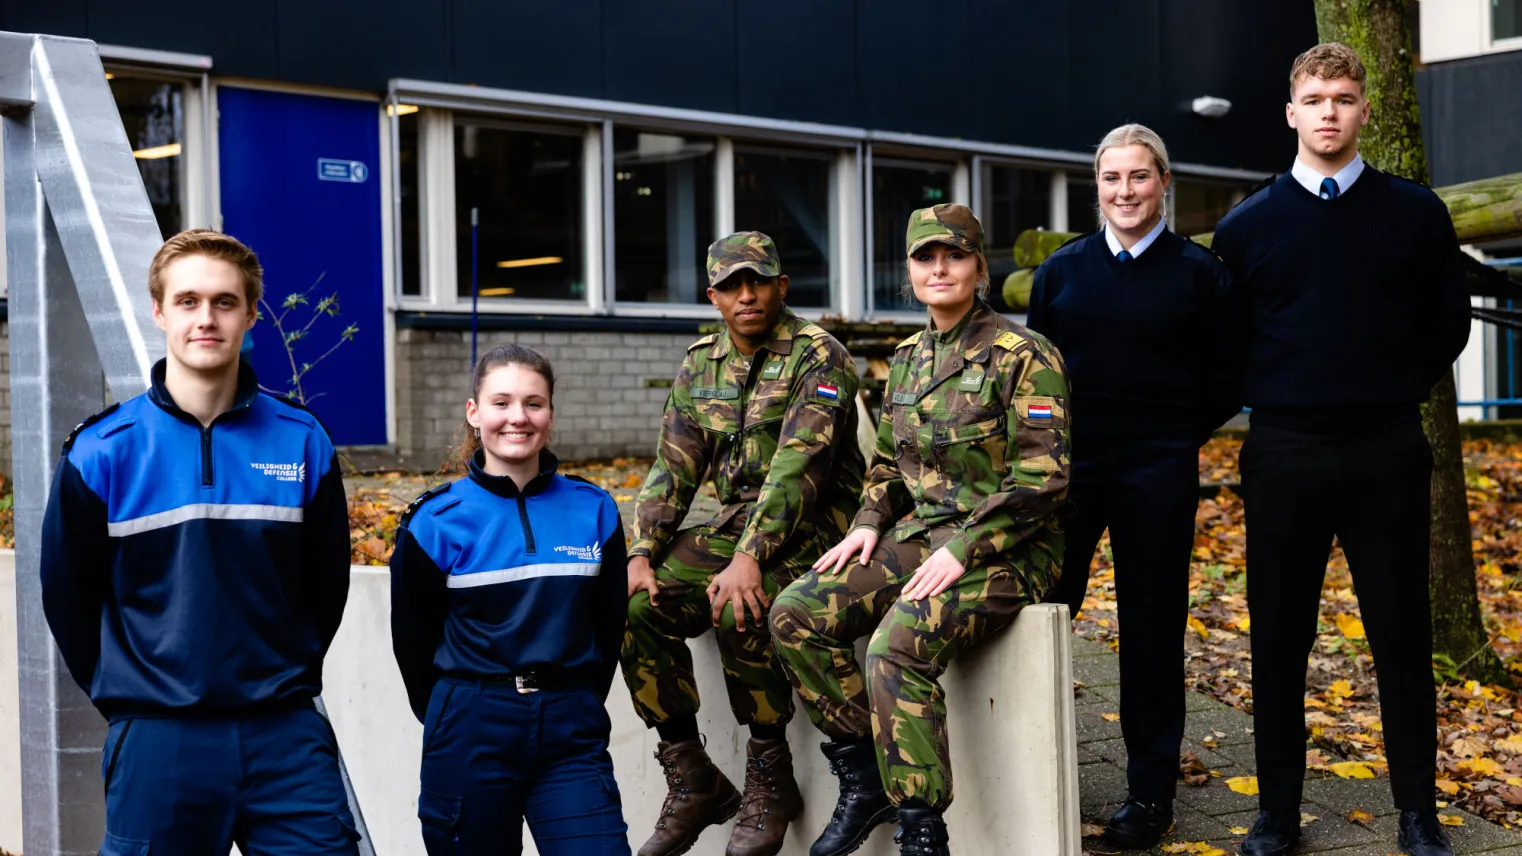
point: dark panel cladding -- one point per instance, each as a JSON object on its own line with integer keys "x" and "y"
{"x": 1112, "y": 61}
{"x": 1020, "y": 85}
{"x": 535, "y": 47}
{"x": 1050, "y": 75}
{"x": 797, "y": 60}
{"x": 916, "y": 72}
{"x": 348, "y": 44}
{"x": 1468, "y": 133}
{"x": 680, "y": 53}
{"x": 240, "y": 43}
{"x": 55, "y": 17}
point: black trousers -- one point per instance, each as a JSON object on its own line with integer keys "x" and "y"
{"x": 1372, "y": 492}
{"x": 1145, "y": 491}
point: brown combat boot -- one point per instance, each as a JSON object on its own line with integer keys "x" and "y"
{"x": 697, "y": 797}
{"x": 772, "y": 800}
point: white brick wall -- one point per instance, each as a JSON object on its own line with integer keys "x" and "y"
{"x": 603, "y": 408}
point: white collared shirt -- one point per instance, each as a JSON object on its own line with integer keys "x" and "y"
{"x": 1311, "y": 179}
{"x": 1140, "y": 246}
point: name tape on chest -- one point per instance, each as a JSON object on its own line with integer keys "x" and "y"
{"x": 720, "y": 393}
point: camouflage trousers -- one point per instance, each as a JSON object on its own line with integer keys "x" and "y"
{"x": 657, "y": 664}
{"x": 899, "y": 701}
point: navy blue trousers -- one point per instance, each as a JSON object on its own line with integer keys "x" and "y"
{"x": 494, "y": 757}
{"x": 1145, "y": 491}
{"x": 268, "y": 783}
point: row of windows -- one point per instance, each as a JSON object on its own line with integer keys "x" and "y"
{"x": 521, "y": 226}
{"x": 525, "y": 230}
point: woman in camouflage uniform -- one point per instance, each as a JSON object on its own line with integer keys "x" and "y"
{"x": 968, "y": 478}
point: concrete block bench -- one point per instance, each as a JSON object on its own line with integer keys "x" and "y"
{"x": 1012, "y": 738}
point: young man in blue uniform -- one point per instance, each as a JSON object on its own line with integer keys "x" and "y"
{"x": 1357, "y": 306}
{"x": 195, "y": 565}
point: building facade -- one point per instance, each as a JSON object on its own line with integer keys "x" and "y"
{"x": 461, "y": 174}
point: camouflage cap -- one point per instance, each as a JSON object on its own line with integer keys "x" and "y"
{"x": 742, "y": 251}
{"x": 947, "y": 223}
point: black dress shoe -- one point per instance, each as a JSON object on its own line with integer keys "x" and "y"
{"x": 1138, "y": 825}
{"x": 1422, "y": 835}
{"x": 1273, "y": 834}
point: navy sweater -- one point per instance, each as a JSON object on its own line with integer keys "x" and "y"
{"x": 1149, "y": 343}
{"x": 191, "y": 570}
{"x": 1358, "y": 304}
{"x": 488, "y": 581}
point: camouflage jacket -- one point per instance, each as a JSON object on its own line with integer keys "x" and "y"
{"x": 980, "y": 445}
{"x": 779, "y": 442}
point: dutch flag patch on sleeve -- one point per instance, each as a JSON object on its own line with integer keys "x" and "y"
{"x": 1040, "y": 411}
{"x": 828, "y": 392}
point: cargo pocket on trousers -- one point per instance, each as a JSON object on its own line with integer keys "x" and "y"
{"x": 440, "y": 816}
{"x": 118, "y": 731}
{"x": 115, "y": 845}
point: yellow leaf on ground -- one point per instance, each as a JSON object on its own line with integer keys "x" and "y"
{"x": 1512, "y": 744}
{"x": 1110, "y": 717}
{"x": 1093, "y": 830}
{"x": 1307, "y": 819}
{"x": 1483, "y": 767}
{"x": 1352, "y": 769}
{"x": 1247, "y": 785}
{"x": 1194, "y": 848}
{"x": 1339, "y": 689}
{"x": 1469, "y": 747}
{"x": 1240, "y": 830}
{"x": 1350, "y": 625}
{"x": 1198, "y": 626}
{"x": 1451, "y": 819}
{"x": 1361, "y": 817}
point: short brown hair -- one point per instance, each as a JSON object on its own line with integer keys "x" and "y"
{"x": 213, "y": 245}
{"x": 1328, "y": 61}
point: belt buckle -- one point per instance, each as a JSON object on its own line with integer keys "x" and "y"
{"x": 522, "y": 683}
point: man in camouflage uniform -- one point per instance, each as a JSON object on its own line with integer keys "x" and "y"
{"x": 767, "y": 409}
{"x": 971, "y": 467}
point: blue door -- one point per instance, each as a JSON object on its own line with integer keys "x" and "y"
{"x": 300, "y": 185}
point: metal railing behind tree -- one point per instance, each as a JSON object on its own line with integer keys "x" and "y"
{"x": 79, "y": 236}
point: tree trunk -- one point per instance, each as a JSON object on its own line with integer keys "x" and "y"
{"x": 1392, "y": 141}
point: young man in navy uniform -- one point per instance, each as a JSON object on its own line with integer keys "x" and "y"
{"x": 195, "y": 565}
{"x": 1357, "y": 305}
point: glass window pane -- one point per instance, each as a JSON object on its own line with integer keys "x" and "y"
{"x": 1505, "y": 19}
{"x": 407, "y": 161}
{"x": 526, "y": 186}
{"x": 787, "y": 195}
{"x": 898, "y": 189}
{"x": 152, "y": 113}
{"x": 1014, "y": 200}
{"x": 1083, "y": 205}
{"x": 663, "y": 216}
{"x": 1199, "y": 205}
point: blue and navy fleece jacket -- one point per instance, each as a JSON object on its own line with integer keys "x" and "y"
{"x": 190, "y": 570}
{"x": 489, "y": 581}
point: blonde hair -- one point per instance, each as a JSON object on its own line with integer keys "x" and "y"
{"x": 1328, "y": 61}
{"x": 212, "y": 245}
{"x": 1133, "y": 134}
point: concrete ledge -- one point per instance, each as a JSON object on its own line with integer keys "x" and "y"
{"x": 1011, "y": 720}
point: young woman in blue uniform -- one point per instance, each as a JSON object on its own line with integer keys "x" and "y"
{"x": 508, "y": 601}
{"x": 1139, "y": 315}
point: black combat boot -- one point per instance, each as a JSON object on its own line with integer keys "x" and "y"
{"x": 921, "y": 831}
{"x": 863, "y": 803}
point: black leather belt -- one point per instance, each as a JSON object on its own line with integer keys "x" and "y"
{"x": 534, "y": 680}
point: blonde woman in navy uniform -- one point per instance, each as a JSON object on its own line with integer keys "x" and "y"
{"x": 508, "y": 602}
{"x": 1139, "y": 314}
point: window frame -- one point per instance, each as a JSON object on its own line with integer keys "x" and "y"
{"x": 852, "y": 149}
